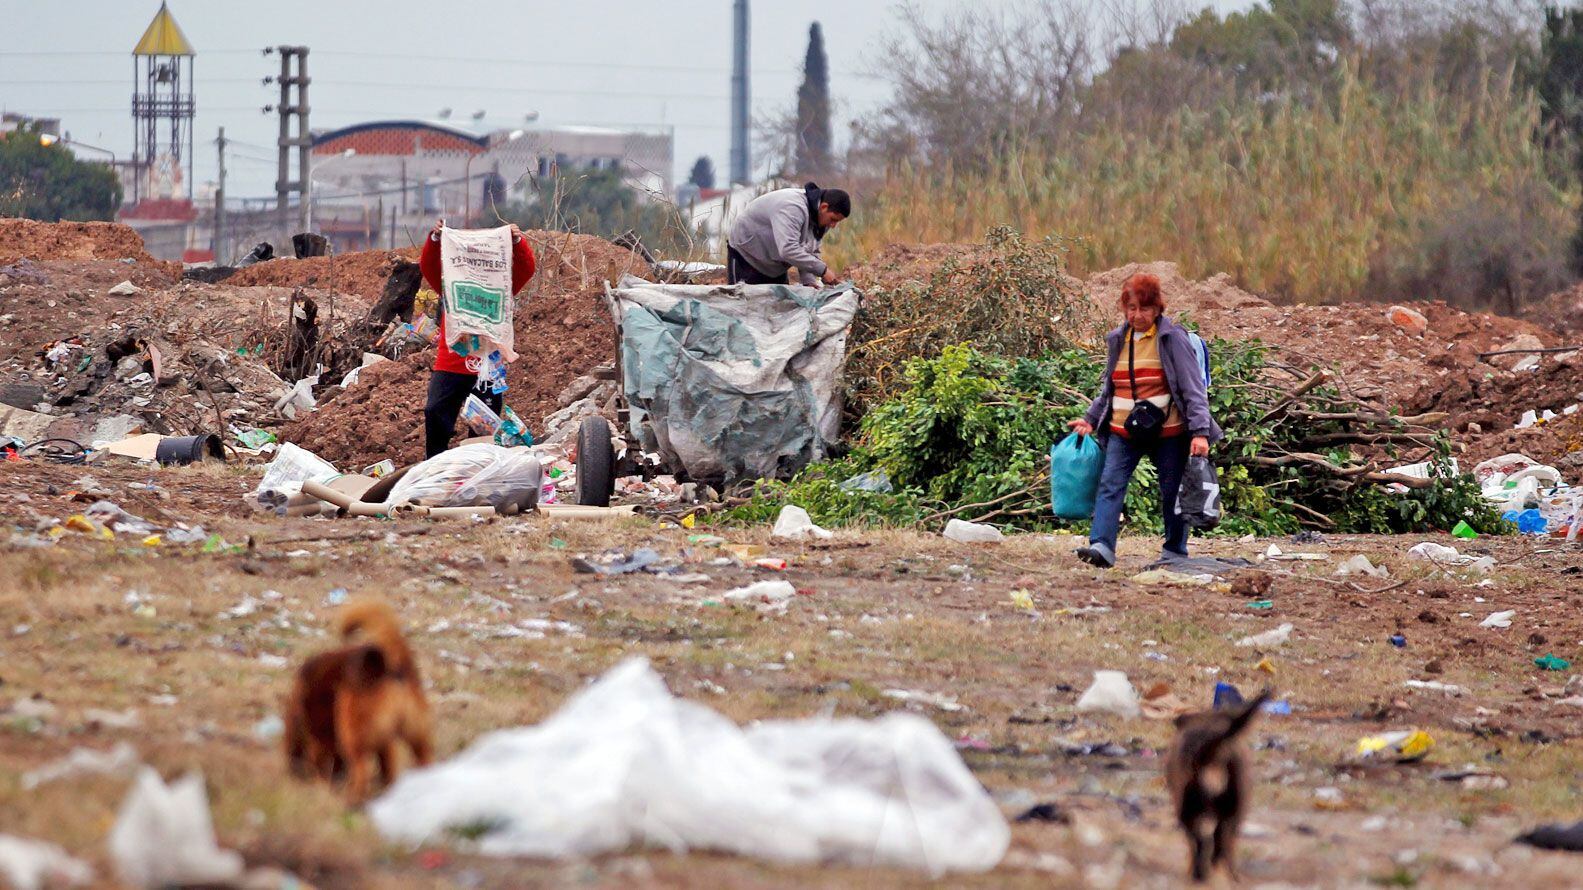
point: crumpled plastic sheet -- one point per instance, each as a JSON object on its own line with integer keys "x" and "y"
{"x": 470, "y": 476}
{"x": 623, "y": 763}
{"x": 733, "y": 382}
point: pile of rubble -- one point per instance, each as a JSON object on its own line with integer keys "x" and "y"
{"x": 563, "y": 331}
{"x": 91, "y": 355}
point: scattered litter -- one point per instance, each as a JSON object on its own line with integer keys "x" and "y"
{"x": 83, "y": 761}
{"x": 1261, "y": 604}
{"x": 1402, "y": 746}
{"x": 615, "y": 562}
{"x": 1555, "y": 837}
{"x": 1474, "y": 779}
{"x": 1045, "y": 812}
{"x": 35, "y": 708}
{"x": 623, "y": 764}
{"x": 269, "y": 728}
{"x": 164, "y": 836}
{"x": 1499, "y": 619}
{"x": 124, "y": 289}
{"x": 1276, "y": 553}
{"x": 1464, "y": 531}
{"x": 1551, "y": 663}
{"x": 873, "y": 480}
{"x": 1022, "y": 599}
{"x": 1111, "y": 692}
{"x": 1273, "y": 637}
{"x": 1439, "y": 553}
{"x": 1399, "y": 641}
{"x": 27, "y": 864}
{"x": 1166, "y": 577}
{"x": 1160, "y": 703}
{"x": 932, "y": 699}
{"x": 127, "y": 719}
{"x": 972, "y": 532}
{"x": 766, "y": 592}
{"x": 1229, "y": 696}
{"x": 1360, "y": 565}
{"x": 1435, "y": 686}
{"x": 770, "y": 563}
{"x": 795, "y": 524}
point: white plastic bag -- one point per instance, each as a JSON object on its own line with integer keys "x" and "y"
{"x": 26, "y": 864}
{"x": 476, "y": 271}
{"x": 623, "y": 763}
{"x": 1112, "y": 693}
{"x": 1273, "y": 637}
{"x": 469, "y": 476}
{"x": 972, "y": 532}
{"x": 795, "y": 524}
{"x": 293, "y": 466}
{"x": 164, "y": 836}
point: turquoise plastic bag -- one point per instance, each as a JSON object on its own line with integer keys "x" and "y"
{"x": 1075, "y": 464}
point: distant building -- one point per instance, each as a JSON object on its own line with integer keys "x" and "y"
{"x": 378, "y": 183}
{"x": 11, "y": 121}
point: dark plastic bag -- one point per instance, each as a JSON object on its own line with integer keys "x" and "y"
{"x": 1198, "y": 501}
{"x": 1075, "y": 464}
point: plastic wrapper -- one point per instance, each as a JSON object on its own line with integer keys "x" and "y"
{"x": 479, "y": 417}
{"x": 293, "y": 466}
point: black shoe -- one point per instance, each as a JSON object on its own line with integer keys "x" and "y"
{"x": 1094, "y": 557}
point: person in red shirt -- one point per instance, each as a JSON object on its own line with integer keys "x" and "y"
{"x": 455, "y": 376}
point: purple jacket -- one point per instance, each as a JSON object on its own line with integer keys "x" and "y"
{"x": 1182, "y": 378}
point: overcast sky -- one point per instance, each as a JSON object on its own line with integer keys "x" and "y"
{"x": 595, "y": 62}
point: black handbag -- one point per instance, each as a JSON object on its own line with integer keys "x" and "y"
{"x": 1146, "y": 420}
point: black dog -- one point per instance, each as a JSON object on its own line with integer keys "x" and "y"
{"x": 1207, "y": 773}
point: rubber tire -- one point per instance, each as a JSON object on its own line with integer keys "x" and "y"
{"x": 595, "y": 460}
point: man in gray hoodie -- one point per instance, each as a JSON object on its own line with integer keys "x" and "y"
{"x": 781, "y": 230}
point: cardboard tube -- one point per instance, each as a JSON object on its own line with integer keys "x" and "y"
{"x": 358, "y": 508}
{"x": 312, "y": 508}
{"x": 577, "y": 511}
{"x": 325, "y": 493}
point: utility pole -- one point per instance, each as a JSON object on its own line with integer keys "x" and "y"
{"x": 741, "y": 160}
{"x": 220, "y": 252}
{"x": 288, "y": 108}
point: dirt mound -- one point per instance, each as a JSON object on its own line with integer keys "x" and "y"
{"x": 170, "y": 358}
{"x": 1562, "y": 310}
{"x": 900, "y": 264}
{"x": 26, "y": 239}
{"x": 1494, "y": 400}
{"x": 362, "y": 273}
{"x": 1373, "y": 357}
{"x": 380, "y": 416}
{"x": 563, "y": 330}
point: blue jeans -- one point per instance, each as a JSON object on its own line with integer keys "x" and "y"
{"x": 1121, "y": 458}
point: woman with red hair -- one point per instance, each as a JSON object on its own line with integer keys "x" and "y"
{"x": 1152, "y": 402}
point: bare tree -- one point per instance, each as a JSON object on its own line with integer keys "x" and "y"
{"x": 976, "y": 84}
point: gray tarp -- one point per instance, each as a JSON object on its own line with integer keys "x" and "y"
{"x": 733, "y": 382}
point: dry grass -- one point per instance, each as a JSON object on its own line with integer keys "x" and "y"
{"x": 1314, "y": 203}
{"x": 913, "y": 611}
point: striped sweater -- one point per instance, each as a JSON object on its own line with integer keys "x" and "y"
{"x": 1150, "y": 373}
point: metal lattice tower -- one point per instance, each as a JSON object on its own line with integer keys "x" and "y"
{"x": 162, "y": 111}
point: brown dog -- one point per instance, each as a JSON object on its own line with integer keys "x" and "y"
{"x": 1207, "y": 772}
{"x": 356, "y": 702}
